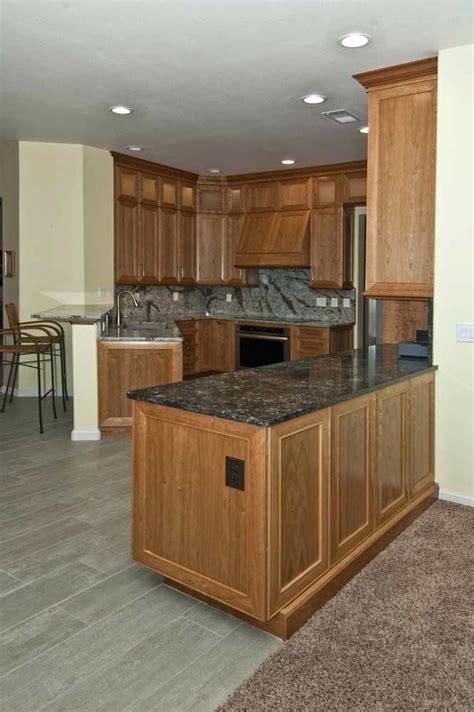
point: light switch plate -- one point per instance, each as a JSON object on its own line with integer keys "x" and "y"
{"x": 465, "y": 332}
{"x": 334, "y": 301}
{"x": 228, "y": 297}
{"x": 346, "y": 303}
{"x": 175, "y": 296}
{"x": 321, "y": 301}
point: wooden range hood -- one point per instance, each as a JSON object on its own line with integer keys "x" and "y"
{"x": 274, "y": 239}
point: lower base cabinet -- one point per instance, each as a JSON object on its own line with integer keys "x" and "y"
{"x": 126, "y": 366}
{"x": 315, "y": 492}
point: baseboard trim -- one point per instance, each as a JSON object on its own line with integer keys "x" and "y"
{"x": 83, "y": 435}
{"x": 456, "y": 498}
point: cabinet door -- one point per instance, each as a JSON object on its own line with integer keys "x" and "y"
{"x": 127, "y": 183}
{"x": 150, "y": 189}
{"x": 188, "y": 329}
{"x": 223, "y": 339}
{"x": 211, "y": 249}
{"x": 187, "y": 193}
{"x": 351, "y": 489}
{"x": 236, "y": 198}
{"x": 169, "y": 193}
{"x": 148, "y": 245}
{"x": 327, "y": 192}
{"x": 126, "y": 241}
{"x": 299, "y": 475}
{"x": 354, "y": 187}
{"x": 187, "y": 247}
{"x": 261, "y": 196}
{"x": 422, "y": 432}
{"x": 169, "y": 268}
{"x": 122, "y": 367}
{"x": 392, "y": 451}
{"x": 308, "y": 342}
{"x": 327, "y": 248}
{"x": 294, "y": 193}
{"x": 236, "y": 276}
{"x": 401, "y": 190}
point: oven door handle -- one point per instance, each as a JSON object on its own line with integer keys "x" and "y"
{"x": 262, "y": 337}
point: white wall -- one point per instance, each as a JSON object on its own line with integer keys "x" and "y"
{"x": 454, "y": 274}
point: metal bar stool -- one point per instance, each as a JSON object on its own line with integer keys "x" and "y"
{"x": 27, "y": 344}
{"x": 56, "y": 333}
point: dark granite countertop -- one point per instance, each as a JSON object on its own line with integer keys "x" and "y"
{"x": 273, "y": 394}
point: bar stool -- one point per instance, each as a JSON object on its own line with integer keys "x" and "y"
{"x": 27, "y": 344}
{"x": 55, "y": 332}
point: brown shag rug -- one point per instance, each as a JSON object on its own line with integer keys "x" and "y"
{"x": 399, "y": 636}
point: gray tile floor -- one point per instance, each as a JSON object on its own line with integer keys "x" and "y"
{"x": 81, "y": 626}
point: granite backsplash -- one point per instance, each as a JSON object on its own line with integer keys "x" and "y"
{"x": 281, "y": 293}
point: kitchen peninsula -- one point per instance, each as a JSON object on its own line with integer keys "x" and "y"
{"x": 264, "y": 491}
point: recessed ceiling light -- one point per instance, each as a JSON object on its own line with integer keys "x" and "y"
{"x": 213, "y": 170}
{"x": 121, "y": 110}
{"x": 364, "y": 129}
{"x": 313, "y": 99}
{"x": 287, "y": 161}
{"x": 134, "y": 148}
{"x": 353, "y": 40}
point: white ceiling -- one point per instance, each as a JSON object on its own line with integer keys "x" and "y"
{"x": 212, "y": 83}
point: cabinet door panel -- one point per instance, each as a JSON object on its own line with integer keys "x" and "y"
{"x": 169, "y": 192}
{"x": 294, "y": 193}
{"x": 401, "y": 189}
{"x": 126, "y": 241}
{"x": 261, "y": 196}
{"x": 327, "y": 248}
{"x": 299, "y": 467}
{"x": 352, "y": 500}
{"x": 187, "y": 248}
{"x": 149, "y": 243}
{"x": 168, "y": 246}
{"x": 150, "y": 188}
{"x": 235, "y": 275}
{"x": 392, "y": 451}
{"x": 355, "y": 187}
{"x": 211, "y": 249}
{"x": 327, "y": 191}
{"x": 422, "y": 432}
{"x": 127, "y": 182}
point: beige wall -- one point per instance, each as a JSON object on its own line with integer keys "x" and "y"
{"x": 65, "y": 228}
{"x": 10, "y": 213}
{"x": 98, "y": 187}
{"x": 454, "y": 273}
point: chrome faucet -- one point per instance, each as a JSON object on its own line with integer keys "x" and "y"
{"x": 134, "y": 299}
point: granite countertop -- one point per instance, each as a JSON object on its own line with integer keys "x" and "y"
{"x": 264, "y": 319}
{"x": 161, "y": 331}
{"x": 75, "y": 312}
{"x": 273, "y": 394}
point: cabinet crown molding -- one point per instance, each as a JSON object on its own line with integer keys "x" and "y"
{"x": 140, "y": 164}
{"x": 421, "y": 69}
{"x": 303, "y": 172}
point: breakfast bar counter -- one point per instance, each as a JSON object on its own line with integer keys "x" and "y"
{"x": 264, "y": 491}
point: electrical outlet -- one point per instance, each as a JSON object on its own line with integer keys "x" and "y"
{"x": 235, "y": 473}
{"x": 176, "y": 296}
{"x": 346, "y": 303}
{"x": 334, "y": 301}
{"x": 464, "y": 332}
{"x": 321, "y": 301}
{"x": 228, "y": 297}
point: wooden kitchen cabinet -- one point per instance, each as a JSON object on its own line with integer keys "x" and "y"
{"x": 216, "y": 345}
{"x": 311, "y": 341}
{"x": 327, "y": 191}
{"x": 236, "y": 276}
{"x": 392, "y": 456}
{"x": 401, "y": 180}
{"x": 125, "y": 366}
{"x": 126, "y": 241}
{"x": 169, "y": 249}
{"x": 422, "y": 408}
{"x": 327, "y": 242}
{"x": 189, "y": 332}
{"x": 352, "y": 465}
{"x": 186, "y": 247}
{"x": 294, "y": 193}
{"x": 211, "y": 251}
{"x": 261, "y": 196}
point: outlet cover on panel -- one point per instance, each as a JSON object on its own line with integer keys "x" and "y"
{"x": 465, "y": 332}
{"x": 334, "y": 301}
{"x": 176, "y": 296}
{"x": 321, "y": 301}
{"x": 346, "y": 303}
{"x": 228, "y": 297}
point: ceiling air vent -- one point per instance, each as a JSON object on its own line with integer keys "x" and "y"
{"x": 341, "y": 116}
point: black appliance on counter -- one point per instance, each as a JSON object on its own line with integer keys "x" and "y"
{"x": 261, "y": 345}
{"x": 415, "y": 349}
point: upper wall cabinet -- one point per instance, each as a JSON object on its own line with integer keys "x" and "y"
{"x": 261, "y": 196}
{"x": 327, "y": 191}
{"x": 294, "y": 193}
{"x": 401, "y": 180}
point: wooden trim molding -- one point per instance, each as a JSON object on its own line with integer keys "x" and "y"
{"x": 304, "y": 172}
{"x": 399, "y": 73}
{"x": 140, "y": 164}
